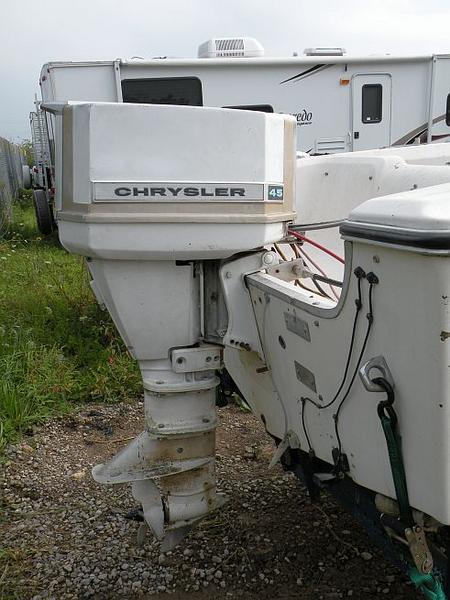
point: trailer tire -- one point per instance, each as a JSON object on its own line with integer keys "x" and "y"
{"x": 44, "y": 216}
{"x": 26, "y": 177}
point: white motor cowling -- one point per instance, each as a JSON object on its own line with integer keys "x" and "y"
{"x": 165, "y": 182}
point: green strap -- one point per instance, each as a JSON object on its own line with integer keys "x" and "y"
{"x": 397, "y": 468}
{"x": 428, "y": 584}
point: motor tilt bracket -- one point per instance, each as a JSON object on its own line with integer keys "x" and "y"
{"x": 203, "y": 358}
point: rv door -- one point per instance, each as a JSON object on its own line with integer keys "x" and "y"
{"x": 371, "y": 111}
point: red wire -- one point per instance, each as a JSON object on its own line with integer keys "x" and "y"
{"x": 317, "y": 245}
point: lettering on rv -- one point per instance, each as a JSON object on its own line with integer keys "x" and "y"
{"x": 304, "y": 117}
{"x": 173, "y": 192}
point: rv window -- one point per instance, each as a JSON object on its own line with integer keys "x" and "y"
{"x": 372, "y": 99}
{"x": 447, "y": 111}
{"x": 163, "y": 90}
{"x": 259, "y": 107}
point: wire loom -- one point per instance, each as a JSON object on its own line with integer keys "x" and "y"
{"x": 372, "y": 279}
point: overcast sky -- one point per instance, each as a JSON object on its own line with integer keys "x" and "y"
{"x": 35, "y": 32}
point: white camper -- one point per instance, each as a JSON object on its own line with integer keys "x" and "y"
{"x": 341, "y": 103}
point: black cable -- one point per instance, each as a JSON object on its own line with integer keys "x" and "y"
{"x": 358, "y": 303}
{"x": 360, "y": 274}
{"x": 304, "y": 426}
{"x": 328, "y": 280}
{"x": 372, "y": 279}
{"x": 320, "y": 288}
{"x": 361, "y": 354}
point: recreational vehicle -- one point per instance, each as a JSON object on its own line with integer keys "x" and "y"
{"x": 341, "y": 103}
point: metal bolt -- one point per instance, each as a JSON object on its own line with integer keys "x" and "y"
{"x": 268, "y": 258}
{"x": 376, "y": 258}
{"x": 228, "y": 275}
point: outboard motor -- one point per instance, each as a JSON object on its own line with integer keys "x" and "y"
{"x": 150, "y": 195}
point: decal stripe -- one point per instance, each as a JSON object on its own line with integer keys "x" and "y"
{"x": 434, "y": 138}
{"x": 411, "y": 135}
{"x": 306, "y": 73}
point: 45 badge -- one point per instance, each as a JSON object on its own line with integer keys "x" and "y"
{"x": 275, "y": 193}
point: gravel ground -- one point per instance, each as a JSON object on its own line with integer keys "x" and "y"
{"x": 62, "y": 536}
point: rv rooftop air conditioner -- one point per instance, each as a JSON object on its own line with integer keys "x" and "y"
{"x": 243, "y": 47}
{"x": 324, "y": 51}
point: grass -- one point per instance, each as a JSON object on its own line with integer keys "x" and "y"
{"x": 58, "y": 349}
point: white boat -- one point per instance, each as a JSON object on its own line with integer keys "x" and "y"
{"x": 176, "y": 210}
